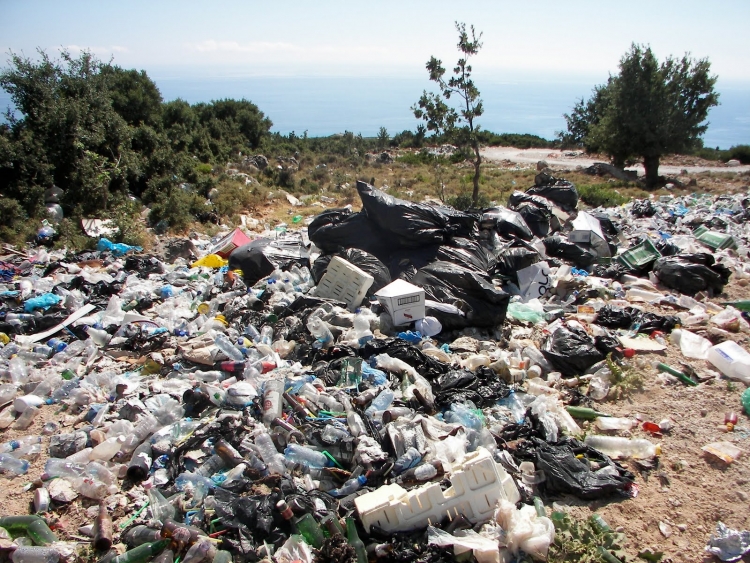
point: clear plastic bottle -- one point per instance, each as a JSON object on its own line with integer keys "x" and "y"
{"x": 230, "y": 350}
{"x": 266, "y": 335}
{"x": 10, "y": 464}
{"x": 272, "y": 405}
{"x": 380, "y": 403}
{"x": 613, "y": 423}
{"x": 321, "y": 332}
{"x": 271, "y": 457}
{"x": 410, "y": 458}
{"x": 296, "y": 453}
{"x": 356, "y": 425}
{"x": 35, "y": 554}
{"x": 617, "y": 447}
{"x": 349, "y": 487}
{"x": 26, "y": 418}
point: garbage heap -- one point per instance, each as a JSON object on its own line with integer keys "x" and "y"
{"x": 407, "y": 382}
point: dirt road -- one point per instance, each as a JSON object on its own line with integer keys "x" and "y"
{"x": 571, "y": 160}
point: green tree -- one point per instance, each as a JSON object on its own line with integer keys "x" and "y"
{"x": 134, "y": 95}
{"x": 455, "y": 123}
{"x": 647, "y": 110}
{"x": 383, "y": 138}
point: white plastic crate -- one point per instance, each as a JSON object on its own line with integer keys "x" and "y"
{"x": 477, "y": 485}
{"x": 344, "y": 281}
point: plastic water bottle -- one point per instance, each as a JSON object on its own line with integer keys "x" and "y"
{"x": 380, "y": 403}
{"x": 35, "y": 554}
{"x": 306, "y": 456}
{"x": 732, "y": 360}
{"x": 321, "y": 332}
{"x": 272, "y": 406}
{"x": 617, "y": 447}
{"x": 351, "y": 486}
{"x": 230, "y": 350}
{"x": 271, "y": 457}
{"x": 13, "y": 465}
{"x": 266, "y": 335}
{"x": 362, "y": 331}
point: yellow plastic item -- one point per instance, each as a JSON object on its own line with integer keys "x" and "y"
{"x": 4, "y": 338}
{"x": 203, "y": 308}
{"x": 210, "y": 261}
{"x": 221, "y": 319}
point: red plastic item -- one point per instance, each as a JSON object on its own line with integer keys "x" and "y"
{"x": 657, "y": 333}
{"x": 730, "y": 418}
{"x": 652, "y": 427}
{"x": 628, "y": 352}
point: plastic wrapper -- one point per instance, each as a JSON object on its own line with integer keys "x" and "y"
{"x": 414, "y": 224}
{"x": 692, "y": 273}
{"x": 728, "y": 544}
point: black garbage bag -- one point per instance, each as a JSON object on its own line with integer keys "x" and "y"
{"x": 562, "y": 192}
{"x": 483, "y": 388}
{"x": 537, "y": 218}
{"x": 610, "y": 316}
{"x": 571, "y": 350}
{"x": 511, "y": 260}
{"x": 506, "y": 222}
{"x": 691, "y": 273}
{"x": 643, "y": 208}
{"x": 666, "y": 247}
{"x": 144, "y": 264}
{"x": 576, "y": 254}
{"x": 430, "y": 368}
{"x": 414, "y": 224}
{"x": 261, "y": 257}
{"x": 480, "y": 302}
{"x": 363, "y": 260}
{"x": 338, "y": 229}
{"x": 611, "y": 271}
{"x": 464, "y": 252}
{"x": 567, "y": 473}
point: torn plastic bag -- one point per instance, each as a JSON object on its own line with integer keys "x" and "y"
{"x": 561, "y": 192}
{"x": 691, "y": 273}
{"x": 728, "y": 544}
{"x": 643, "y": 208}
{"x": 415, "y": 224}
{"x": 144, "y": 264}
{"x": 428, "y": 366}
{"x": 363, "y": 260}
{"x": 576, "y": 254}
{"x": 614, "y": 317}
{"x": 571, "y": 350}
{"x": 481, "y": 303}
{"x": 565, "y": 473}
{"x": 338, "y": 229}
{"x": 261, "y": 257}
{"x": 507, "y": 223}
{"x": 483, "y": 388}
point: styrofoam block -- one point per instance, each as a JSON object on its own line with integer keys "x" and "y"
{"x": 344, "y": 281}
{"x": 476, "y": 487}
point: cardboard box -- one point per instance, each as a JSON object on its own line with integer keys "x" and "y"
{"x": 403, "y": 301}
{"x": 233, "y": 240}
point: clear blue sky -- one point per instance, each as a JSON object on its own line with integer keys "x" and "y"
{"x": 576, "y": 39}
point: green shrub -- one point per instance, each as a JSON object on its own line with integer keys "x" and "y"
{"x": 177, "y": 209}
{"x": 421, "y": 157}
{"x": 126, "y": 215}
{"x": 463, "y": 201}
{"x": 235, "y": 197}
{"x": 600, "y": 195}
{"x": 739, "y": 152}
{"x": 15, "y": 228}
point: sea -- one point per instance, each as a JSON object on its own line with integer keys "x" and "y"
{"x": 327, "y": 105}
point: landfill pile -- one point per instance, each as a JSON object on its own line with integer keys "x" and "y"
{"x": 406, "y": 383}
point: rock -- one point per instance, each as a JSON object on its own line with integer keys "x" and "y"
{"x": 665, "y": 529}
{"x": 465, "y": 344}
{"x": 743, "y": 496}
{"x": 61, "y": 491}
{"x": 734, "y": 162}
{"x": 63, "y": 445}
{"x": 385, "y": 158}
{"x": 541, "y": 165}
{"x": 180, "y": 248}
{"x": 259, "y": 161}
{"x": 682, "y": 527}
{"x": 704, "y": 412}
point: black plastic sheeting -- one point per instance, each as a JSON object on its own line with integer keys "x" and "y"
{"x": 463, "y": 252}
{"x": 363, "y": 260}
{"x": 691, "y": 273}
{"x": 259, "y": 258}
{"x": 643, "y": 208}
{"x": 338, "y": 229}
{"x": 414, "y": 224}
{"x": 571, "y": 350}
{"x": 561, "y": 192}
{"x": 481, "y": 303}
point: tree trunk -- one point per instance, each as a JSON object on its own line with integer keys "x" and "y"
{"x": 651, "y": 164}
{"x": 477, "y": 162}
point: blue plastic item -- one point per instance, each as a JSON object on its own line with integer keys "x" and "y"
{"x": 118, "y": 249}
{"x": 44, "y": 301}
{"x": 373, "y": 375}
{"x": 411, "y": 337}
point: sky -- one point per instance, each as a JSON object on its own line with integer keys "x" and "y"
{"x": 538, "y": 38}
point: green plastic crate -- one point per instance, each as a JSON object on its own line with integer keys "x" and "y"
{"x": 639, "y": 256}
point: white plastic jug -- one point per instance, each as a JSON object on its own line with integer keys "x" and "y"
{"x": 732, "y": 360}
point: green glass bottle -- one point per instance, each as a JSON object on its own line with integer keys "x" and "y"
{"x": 305, "y": 525}
{"x": 142, "y": 553}
{"x": 32, "y": 526}
{"x": 354, "y": 541}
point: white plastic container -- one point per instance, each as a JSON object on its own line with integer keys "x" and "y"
{"x": 732, "y": 360}
{"x": 617, "y": 447}
{"x": 345, "y": 282}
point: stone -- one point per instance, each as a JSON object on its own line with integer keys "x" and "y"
{"x": 743, "y": 496}
{"x": 180, "y": 248}
{"x": 734, "y": 162}
{"x": 665, "y": 529}
{"x": 541, "y": 165}
{"x": 63, "y": 445}
{"x": 682, "y": 527}
{"x": 60, "y": 490}
{"x": 465, "y": 344}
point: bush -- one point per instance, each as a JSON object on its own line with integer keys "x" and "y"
{"x": 463, "y": 202}
{"x": 235, "y": 197}
{"x": 422, "y": 157}
{"x": 177, "y": 209}
{"x": 15, "y": 228}
{"x": 600, "y": 195}
{"x": 739, "y": 152}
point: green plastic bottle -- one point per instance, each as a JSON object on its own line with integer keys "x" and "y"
{"x": 746, "y": 401}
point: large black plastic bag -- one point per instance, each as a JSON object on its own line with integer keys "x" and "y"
{"x": 562, "y": 192}
{"x": 462, "y": 252}
{"x": 571, "y": 350}
{"x": 691, "y": 273}
{"x": 536, "y": 217}
{"x": 338, "y": 229}
{"x": 575, "y": 253}
{"x": 261, "y": 257}
{"x": 363, "y": 260}
{"x": 506, "y": 222}
{"x": 482, "y": 304}
{"x": 414, "y": 224}
{"x": 566, "y": 473}
{"x": 643, "y": 208}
